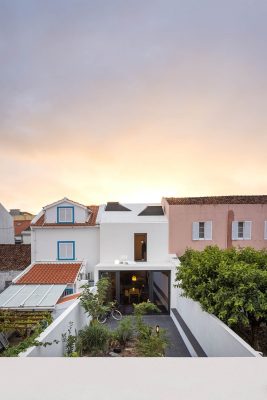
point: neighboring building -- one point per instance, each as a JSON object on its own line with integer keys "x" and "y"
{"x": 226, "y": 221}
{"x": 17, "y": 214}
{"x": 65, "y": 248}
{"x": 6, "y": 227}
{"x": 22, "y": 231}
{"x": 66, "y": 231}
{"x": 14, "y": 258}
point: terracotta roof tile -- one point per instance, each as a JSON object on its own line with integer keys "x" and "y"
{"x": 21, "y": 225}
{"x": 260, "y": 199}
{"x": 14, "y": 257}
{"x": 90, "y": 222}
{"x": 46, "y": 273}
{"x": 67, "y": 298}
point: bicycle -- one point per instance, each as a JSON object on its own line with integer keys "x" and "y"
{"x": 112, "y": 312}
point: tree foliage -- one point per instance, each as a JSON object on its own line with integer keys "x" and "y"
{"x": 231, "y": 284}
{"x": 94, "y": 303}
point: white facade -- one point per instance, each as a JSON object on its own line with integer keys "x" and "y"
{"x": 86, "y": 240}
{"x": 45, "y": 238}
{"x": 6, "y": 227}
{"x": 117, "y": 230}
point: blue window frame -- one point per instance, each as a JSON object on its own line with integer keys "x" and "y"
{"x": 66, "y": 250}
{"x": 68, "y": 291}
{"x": 65, "y": 215}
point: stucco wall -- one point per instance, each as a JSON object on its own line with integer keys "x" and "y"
{"x": 118, "y": 239}
{"x": 215, "y": 338}
{"x": 44, "y": 244}
{"x": 7, "y": 276}
{"x": 6, "y": 227}
{"x": 74, "y": 313}
{"x": 181, "y": 218}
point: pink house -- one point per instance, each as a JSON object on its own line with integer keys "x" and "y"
{"x": 226, "y": 221}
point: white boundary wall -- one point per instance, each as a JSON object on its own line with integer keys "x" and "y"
{"x": 74, "y": 313}
{"x": 215, "y": 338}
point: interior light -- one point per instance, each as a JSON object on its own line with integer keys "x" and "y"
{"x": 134, "y": 278}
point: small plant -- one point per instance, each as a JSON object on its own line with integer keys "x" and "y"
{"x": 125, "y": 331}
{"x": 145, "y": 307}
{"x": 152, "y": 344}
{"x": 70, "y": 342}
{"x": 93, "y": 339}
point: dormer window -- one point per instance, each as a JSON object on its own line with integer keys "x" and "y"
{"x": 65, "y": 215}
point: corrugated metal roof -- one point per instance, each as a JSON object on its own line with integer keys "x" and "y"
{"x": 31, "y": 296}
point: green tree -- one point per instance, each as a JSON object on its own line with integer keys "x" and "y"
{"x": 94, "y": 303}
{"x": 231, "y": 284}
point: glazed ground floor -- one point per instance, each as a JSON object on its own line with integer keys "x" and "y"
{"x": 135, "y": 284}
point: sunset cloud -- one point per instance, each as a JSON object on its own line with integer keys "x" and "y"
{"x": 131, "y": 101}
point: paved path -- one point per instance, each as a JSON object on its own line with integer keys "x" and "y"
{"x": 177, "y": 348}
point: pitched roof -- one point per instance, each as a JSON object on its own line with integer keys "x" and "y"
{"x": 14, "y": 257}
{"x": 68, "y": 298}
{"x": 90, "y": 222}
{"x": 52, "y": 273}
{"x": 257, "y": 199}
{"x": 21, "y": 225}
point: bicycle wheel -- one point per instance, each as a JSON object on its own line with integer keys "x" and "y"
{"x": 116, "y": 314}
{"x": 102, "y": 318}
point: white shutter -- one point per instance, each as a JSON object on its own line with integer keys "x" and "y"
{"x": 195, "y": 231}
{"x": 62, "y": 251}
{"x": 61, "y": 214}
{"x": 208, "y": 230}
{"x": 69, "y": 250}
{"x": 68, "y": 217}
{"x": 235, "y": 230}
{"x": 247, "y": 230}
{"x": 265, "y": 230}
{"x": 66, "y": 251}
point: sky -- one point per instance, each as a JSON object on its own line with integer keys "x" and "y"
{"x": 131, "y": 100}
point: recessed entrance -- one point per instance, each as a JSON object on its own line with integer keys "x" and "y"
{"x": 129, "y": 287}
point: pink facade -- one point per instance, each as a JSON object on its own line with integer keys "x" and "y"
{"x": 182, "y": 218}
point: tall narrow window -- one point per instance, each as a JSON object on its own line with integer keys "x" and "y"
{"x": 201, "y": 233}
{"x": 240, "y": 230}
{"x": 66, "y": 250}
{"x": 140, "y": 247}
{"x": 65, "y": 215}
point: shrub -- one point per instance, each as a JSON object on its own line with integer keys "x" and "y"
{"x": 152, "y": 344}
{"x": 93, "y": 339}
{"x": 125, "y": 330}
{"x": 231, "y": 283}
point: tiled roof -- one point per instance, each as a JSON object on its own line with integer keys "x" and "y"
{"x": 68, "y": 298}
{"x": 90, "y": 222}
{"x": 21, "y": 225}
{"x": 260, "y": 199}
{"x": 46, "y": 273}
{"x": 14, "y": 257}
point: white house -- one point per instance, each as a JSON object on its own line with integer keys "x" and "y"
{"x": 66, "y": 231}
{"x": 134, "y": 254}
{"x": 6, "y": 227}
